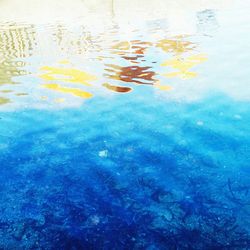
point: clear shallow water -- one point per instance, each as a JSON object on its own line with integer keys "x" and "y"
{"x": 126, "y": 136}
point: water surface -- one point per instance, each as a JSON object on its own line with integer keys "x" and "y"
{"x": 125, "y": 126}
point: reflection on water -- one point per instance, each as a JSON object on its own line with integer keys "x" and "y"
{"x": 77, "y": 42}
{"x": 66, "y": 75}
{"x": 4, "y": 100}
{"x": 16, "y": 43}
{"x": 126, "y": 127}
{"x": 10, "y": 70}
{"x": 207, "y": 21}
{"x": 131, "y": 74}
{"x": 183, "y": 65}
{"x": 117, "y": 88}
{"x": 132, "y": 50}
{"x": 28, "y": 50}
{"x": 175, "y": 45}
{"x": 73, "y": 91}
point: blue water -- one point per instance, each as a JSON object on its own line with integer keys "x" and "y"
{"x": 116, "y": 178}
{"x": 147, "y": 169}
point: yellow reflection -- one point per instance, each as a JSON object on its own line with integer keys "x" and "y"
{"x": 6, "y": 91}
{"x": 183, "y": 65}
{"x": 75, "y": 92}
{"x": 4, "y": 100}
{"x": 175, "y": 45}
{"x": 60, "y": 100}
{"x": 9, "y": 69}
{"x": 16, "y": 43}
{"x": 162, "y": 87}
{"x": 64, "y": 62}
{"x": 66, "y": 75}
{"x": 122, "y": 46}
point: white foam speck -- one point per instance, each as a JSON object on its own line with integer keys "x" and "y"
{"x": 200, "y": 123}
{"x": 103, "y": 153}
{"x": 237, "y": 117}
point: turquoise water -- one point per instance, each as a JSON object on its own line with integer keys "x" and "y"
{"x": 131, "y": 137}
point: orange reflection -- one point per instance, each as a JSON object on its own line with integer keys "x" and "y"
{"x": 119, "y": 89}
{"x": 131, "y": 50}
{"x": 135, "y": 74}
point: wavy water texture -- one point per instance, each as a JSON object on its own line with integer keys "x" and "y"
{"x": 124, "y": 125}
{"x": 127, "y": 179}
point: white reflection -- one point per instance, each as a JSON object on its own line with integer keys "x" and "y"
{"x": 83, "y": 34}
